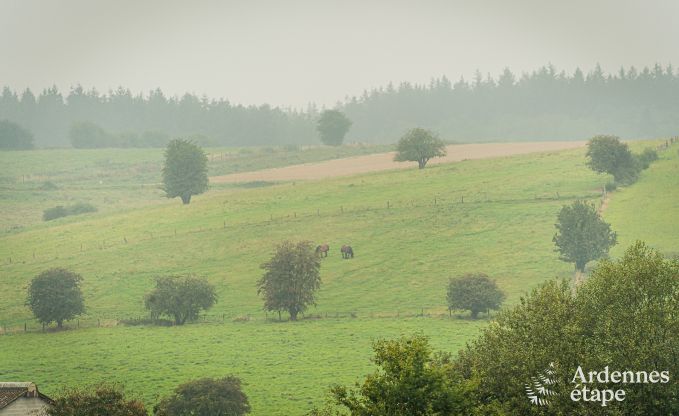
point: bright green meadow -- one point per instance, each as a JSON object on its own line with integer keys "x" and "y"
{"x": 411, "y": 231}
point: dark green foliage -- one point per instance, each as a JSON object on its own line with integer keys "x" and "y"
{"x": 88, "y": 135}
{"x": 54, "y": 296}
{"x": 206, "y": 397}
{"x": 332, "y": 126}
{"x": 185, "y": 170}
{"x": 180, "y": 298}
{"x": 410, "y": 381}
{"x": 625, "y": 316}
{"x": 607, "y": 154}
{"x": 647, "y": 157}
{"x": 14, "y": 137}
{"x": 611, "y": 186}
{"x": 48, "y": 186}
{"x": 474, "y": 292}
{"x": 291, "y": 278}
{"x": 582, "y": 236}
{"x": 98, "y": 400}
{"x": 61, "y": 211}
{"x": 419, "y": 145}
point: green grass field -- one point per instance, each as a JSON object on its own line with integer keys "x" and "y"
{"x": 122, "y": 179}
{"x": 410, "y": 230}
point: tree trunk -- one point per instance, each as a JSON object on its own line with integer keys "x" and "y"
{"x": 186, "y": 199}
{"x": 475, "y": 314}
{"x": 422, "y": 163}
{"x": 293, "y": 315}
{"x": 60, "y": 324}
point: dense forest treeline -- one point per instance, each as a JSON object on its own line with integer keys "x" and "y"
{"x": 543, "y": 105}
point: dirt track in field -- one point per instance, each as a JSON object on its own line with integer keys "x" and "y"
{"x": 384, "y": 161}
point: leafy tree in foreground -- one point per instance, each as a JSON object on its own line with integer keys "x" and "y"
{"x": 419, "y": 145}
{"x": 582, "y": 236}
{"x": 291, "y": 278}
{"x": 205, "y": 397}
{"x": 625, "y": 316}
{"x": 474, "y": 292}
{"x": 180, "y": 298}
{"x": 55, "y": 296}
{"x": 185, "y": 170}
{"x": 14, "y": 137}
{"x": 95, "y": 401}
{"x": 332, "y": 126}
{"x": 411, "y": 381}
{"x": 607, "y": 154}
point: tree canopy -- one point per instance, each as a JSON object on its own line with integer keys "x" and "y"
{"x": 185, "y": 170}
{"x": 582, "y": 236}
{"x": 205, "y": 397}
{"x": 291, "y": 278}
{"x": 98, "y": 400}
{"x": 55, "y": 296}
{"x": 180, "y": 298}
{"x": 14, "y": 137}
{"x": 419, "y": 145}
{"x": 607, "y": 154}
{"x": 411, "y": 380}
{"x": 332, "y": 126}
{"x": 625, "y": 317}
{"x": 474, "y": 292}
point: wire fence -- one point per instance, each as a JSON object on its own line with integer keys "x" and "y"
{"x": 32, "y": 326}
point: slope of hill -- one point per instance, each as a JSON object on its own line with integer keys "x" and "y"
{"x": 411, "y": 231}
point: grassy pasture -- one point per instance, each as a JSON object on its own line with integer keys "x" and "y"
{"x": 120, "y": 179}
{"x": 404, "y": 256}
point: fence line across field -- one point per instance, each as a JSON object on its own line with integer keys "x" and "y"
{"x": 272, "y": 317}
{"x": 438, "y": 201}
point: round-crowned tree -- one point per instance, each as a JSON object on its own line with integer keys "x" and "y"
{"x": 205, "y": 397}
{"x": 474, "y": 292}
{"x": 332, "y": 126}
{"x": 291, "y": 278}
{"x": 55, "y": 296}
{"x": 607, "y": 154}
{"x": 582, "y": 236}
{"x": 185, "y": 170}
{"x": 180, "y": 298}
{"x": 419, "y": 145}
{"x": 14, "y": 137}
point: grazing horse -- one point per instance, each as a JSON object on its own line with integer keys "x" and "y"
{"x": 322, "y": 250}
{"x": 347, "y": 252}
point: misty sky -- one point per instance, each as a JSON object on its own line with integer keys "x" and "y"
{"x": 290, "y": 53}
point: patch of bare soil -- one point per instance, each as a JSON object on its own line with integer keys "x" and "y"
{"x": 385, "y": 161}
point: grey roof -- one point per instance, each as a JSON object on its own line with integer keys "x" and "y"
{"x": 12, "y": 390}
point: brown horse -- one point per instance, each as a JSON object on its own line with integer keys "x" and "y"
{"x": 322, "y": 250}
{"x": 347, "y": 252}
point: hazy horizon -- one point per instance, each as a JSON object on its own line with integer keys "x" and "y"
{"x": 301, "y": 52}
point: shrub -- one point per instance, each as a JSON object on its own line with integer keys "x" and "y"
{"x": 48, "y": 186}
{"x": 61, "y": 211}
{"x": 95, "y": 401}
{"x": 180, "y": 298}
{"x": 611, "y": 186}
{"x": 647, "y": 157}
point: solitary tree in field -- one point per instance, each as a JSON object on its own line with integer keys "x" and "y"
{"x": 180, "y": 298}
{"x": 291, "y": 278}
{"x": 474, "y": 292}
{"x": 95, "y": 401}
{"x": 607, "y": 154}
{"x": 333, "y": 125}
{"x": 14, "y": 137}
{"x": 185, "y": 170}
{"x": 582, "y": 236}
{"x": 54, "y": 296}
{"x": 205, "y": 397}
{"x": 419, "y": 145}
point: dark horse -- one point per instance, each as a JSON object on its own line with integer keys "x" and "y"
{"x": 322, "y": 250}
{"x": 347, "y": 252}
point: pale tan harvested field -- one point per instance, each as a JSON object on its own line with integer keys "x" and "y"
{"x": 384, "y": 161}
